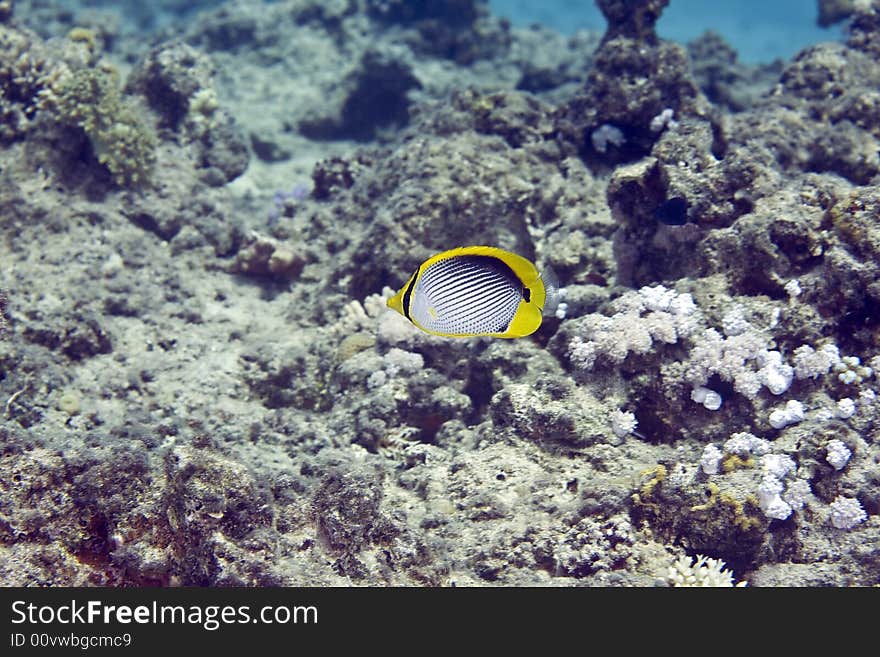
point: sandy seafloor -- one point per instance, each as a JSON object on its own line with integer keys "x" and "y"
{"x": 204, "y": 206}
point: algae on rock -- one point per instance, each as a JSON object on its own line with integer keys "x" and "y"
{"x": 90, "y": 99}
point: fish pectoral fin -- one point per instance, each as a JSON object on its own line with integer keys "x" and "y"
{"x": 526, "y": 321}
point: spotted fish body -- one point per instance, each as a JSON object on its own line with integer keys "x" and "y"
{"x": 474, "y": 291}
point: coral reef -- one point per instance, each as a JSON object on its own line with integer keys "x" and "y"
{"x": 27, "y": 78}
{"x": 723, "y": 79}
{"x": 634, "y": 77}
{"x": 176, "y": 81}
{"x": 201, "y": 384}
{"x": 90, "y": 100}
{"x": 834, "y": 11}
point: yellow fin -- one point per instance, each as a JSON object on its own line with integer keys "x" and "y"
{"x": 527, "y": 320}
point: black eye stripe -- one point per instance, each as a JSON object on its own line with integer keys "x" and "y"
{"x": 407, "y": 295}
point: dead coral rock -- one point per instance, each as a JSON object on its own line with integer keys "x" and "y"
{"x": 691, "y": 182}
{"x": 551, "y": 62}
{"x": 865, "y": 28}
{"x": 212, "y": 506}
{"x": 851, "y": 280}
{"x": 780, "y": 239}
{"x": 346, "y": 510}
{"x": 822, "y": 233}
{"x": 553, "y": 414}
{"x": 453, "y": 12}
{"x": 710, "y": 518}
{"x": 4, "y": 319}
{"x": 461, "y": 30}
{"x": 331, "y": 175}
{"x": 590, "y": 546}
{"x": 390, "y": 210}
{"x": 862, "y": 108}
{"x": 267, "y": 147}
{"x": 635, "y": 191}
{"x": 170, "y": 77}
{"x": 372, "y": 96}
{"x": 634, "y": 77}
{"x": 77, "y": 336}
{"x": 224, "y": 154}
{"x": 825, "y": 73}
{"x": 834, "y": 11}
{"x": 632, "y": 19}
{"x": 64, "y": 517}
{"x": 38, "y": 564}
{"x": 723, "y": 78}
{"x": 711, "y": 177}
{"x": 265, "y": 256}
{"x": 176, "y": 80}
{"x": 855, "y": 220}
{"x": 630, "y": 83}
{"x": 822, "y": 117}
{"x": 519, "y": 118}
{"x": 33, "y": 497}
{"x": 180, "y": 210}
{"x": 845, "y": 151}
{"x": 228, "y": 28}
{"x": 825, "y": 116}
{"x": 291, "y": 377}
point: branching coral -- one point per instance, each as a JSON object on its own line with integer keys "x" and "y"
{"x": 26, "y": 82}
{"x": 91, "y": 100}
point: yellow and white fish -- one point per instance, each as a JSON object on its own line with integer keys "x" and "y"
{"x": 477, "y": 291}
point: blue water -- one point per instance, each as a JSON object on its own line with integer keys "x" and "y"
{"x": 760, "y": 30}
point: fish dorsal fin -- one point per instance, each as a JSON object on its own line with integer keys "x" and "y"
{"x": 524, "y": 269}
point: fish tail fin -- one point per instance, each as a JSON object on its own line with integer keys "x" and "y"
{"x": 552, "y": 292}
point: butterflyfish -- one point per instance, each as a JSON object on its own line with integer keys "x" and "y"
{"x": 477, "y": 291}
